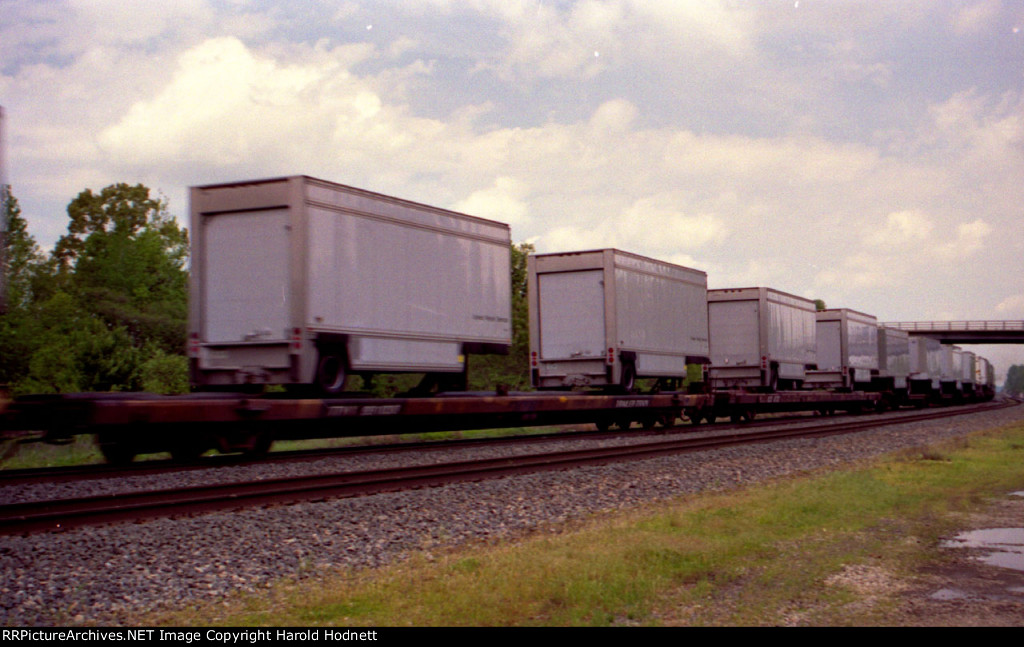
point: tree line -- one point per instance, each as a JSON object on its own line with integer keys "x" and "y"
{"x": 106, "y": 308}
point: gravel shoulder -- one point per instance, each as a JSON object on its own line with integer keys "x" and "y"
{"x": 108, "y": 575}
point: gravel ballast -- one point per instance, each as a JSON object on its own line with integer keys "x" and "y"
{"x": 106, "y": 574}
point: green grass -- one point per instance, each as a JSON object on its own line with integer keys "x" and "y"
{"x": 772, "y": 554}
{"x": 15, "y": 454}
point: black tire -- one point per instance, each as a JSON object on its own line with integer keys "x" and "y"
{"x": 627, "y": 382}
{"x": 331, "y": 373}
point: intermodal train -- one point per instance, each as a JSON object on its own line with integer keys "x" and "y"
{"x": 301, "y": 282}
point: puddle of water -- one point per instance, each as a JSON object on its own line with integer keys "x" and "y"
{"x": 1007, "y": 545}
{"x": 1021, "y": 493}
{"x": 948, "y": 594}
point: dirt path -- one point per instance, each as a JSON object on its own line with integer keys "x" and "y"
{"x": 964, "y": 591}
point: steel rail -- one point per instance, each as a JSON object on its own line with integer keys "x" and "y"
{"x": 73, "y": 473}
{"x": 69, "y": 513}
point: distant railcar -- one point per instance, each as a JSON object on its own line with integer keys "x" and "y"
{"x": 925, "y": 366}
{"x": 893, "y": 376}
{"x": 761, "y": 338}
{"x": 605, "y": 318}
{"x": 847, "y": 349}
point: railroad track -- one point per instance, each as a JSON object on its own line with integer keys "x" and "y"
{"x": 72, "y": 473}
{"x": 65, "y": 514}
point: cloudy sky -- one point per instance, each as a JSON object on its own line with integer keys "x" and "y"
{"x": 866, "y": 152}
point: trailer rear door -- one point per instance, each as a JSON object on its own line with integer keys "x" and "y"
{"x": 246, "y": 276}
{"x": 573, "y": 315}
{"x": 736, "y": 339}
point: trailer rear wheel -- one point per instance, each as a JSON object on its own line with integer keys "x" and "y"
{"x": 331, "y": 373}
{"x": 628, "y": 379}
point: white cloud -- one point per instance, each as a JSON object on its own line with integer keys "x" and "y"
{"x": 584, "y": 39}
{"x": 976, "y": 17}
{"x": 503, "y": 201}
{"x": 226, "y": 104}
{"x": 661, "y": 223}
{"x": 853, "y": 273}
{"x": 1011, "y": 307}
{"x": 970, "y": 239}
{"x": 901, "y": 229}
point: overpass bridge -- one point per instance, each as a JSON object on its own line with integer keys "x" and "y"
{"x": 964, "y": 332}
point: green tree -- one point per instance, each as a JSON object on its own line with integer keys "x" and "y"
{"x": 30, "y": 279}
{"x": 819, "y": 305}
{"x": 124, "y": 256}
{"x": 28, "y": 271}
{"x": 510, "y": 371}
{"x": 1014, "y": 384}
{"x": 73, "y": 350}
{"x": 106, "y": 310}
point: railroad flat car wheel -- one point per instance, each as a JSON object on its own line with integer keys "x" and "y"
{"x": 187, "y": 452}
{"x": 261, "y": 444}
{"x": 116, "y": 451}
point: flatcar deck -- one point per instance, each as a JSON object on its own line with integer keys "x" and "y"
{"x": 129, "y": 424}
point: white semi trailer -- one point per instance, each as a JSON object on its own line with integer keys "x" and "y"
{"x": 847, "y": 349}
{"x": 300, "y": 281}
{"x": 761, "y": 338}
{"x": 925, "y": 365}
{"x": 605, "y": 318}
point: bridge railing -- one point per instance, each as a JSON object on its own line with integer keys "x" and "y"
{"x": 956, "y": 326}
